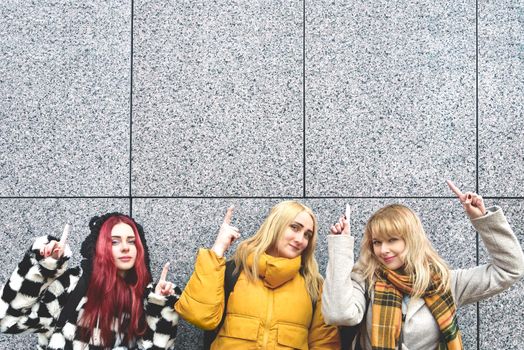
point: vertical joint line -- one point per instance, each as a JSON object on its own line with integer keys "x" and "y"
{"x": 476, "y": 98}
{"x": 131, "y": 112}
{"x": 304, "y": 98}
{"x": 477, "y": 145}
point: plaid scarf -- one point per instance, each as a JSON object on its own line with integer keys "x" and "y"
{"x": 387, "y": 313}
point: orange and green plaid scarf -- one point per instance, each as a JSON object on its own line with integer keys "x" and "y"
{"x": 387, "y": 311}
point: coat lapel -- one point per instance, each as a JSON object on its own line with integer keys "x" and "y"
{"x": 414, "y": 305}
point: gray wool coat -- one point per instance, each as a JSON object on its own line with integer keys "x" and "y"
{"x": 343, "y": 298}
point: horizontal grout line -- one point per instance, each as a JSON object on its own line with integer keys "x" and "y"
{"x": 405, "y": 197}
{"x": 246, "y": 197}
{"x": 65, "y": 197}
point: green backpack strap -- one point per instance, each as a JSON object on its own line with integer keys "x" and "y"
{"x": 230, "y": 279}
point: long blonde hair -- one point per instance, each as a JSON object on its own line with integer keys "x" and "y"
{"x": 421, "y": 261}
{"x": 267, "y": 236}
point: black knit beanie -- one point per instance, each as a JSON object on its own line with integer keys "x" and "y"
{"x": 89, "y": 244}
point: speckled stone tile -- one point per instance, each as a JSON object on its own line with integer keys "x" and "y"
{"x": 217, "y": 98}
{"x": 501, "y": 316}
{"x": 390, "y": 97}
{"x": 178, "y": 227}
{"x": 24, "y": 219}
{"x": 64, "y": 106}
{"x": 501, "y": 98}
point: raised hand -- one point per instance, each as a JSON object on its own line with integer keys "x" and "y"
{"x": 226, "y": 235}
{"x": 342, "y": 226}
{"x": 473, "y": 203}
{"x": 56, "y": 249}
{"x": 164, "y": 287}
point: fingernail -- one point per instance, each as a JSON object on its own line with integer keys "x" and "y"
{"x": 469, "y": 196}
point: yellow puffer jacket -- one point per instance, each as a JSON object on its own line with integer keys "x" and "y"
{"x": 273, "y": 313}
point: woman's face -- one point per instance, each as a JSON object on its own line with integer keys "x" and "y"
{"x": 295, "y": 237}
{"x": 124, "y": 248}
{"x": 390, "y": 251}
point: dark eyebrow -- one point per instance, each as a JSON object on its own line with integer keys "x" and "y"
{"x": 120, "y": 237}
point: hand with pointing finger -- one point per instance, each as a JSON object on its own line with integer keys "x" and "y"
{"x": 226, "y": 235}
{"x": 164, "y": 287}
{"x": 473, "y": 203}
{"x": 56, "y": 249}
{"x": 342, "y": 226}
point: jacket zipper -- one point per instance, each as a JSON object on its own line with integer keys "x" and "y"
{"x": 269, "y": 315}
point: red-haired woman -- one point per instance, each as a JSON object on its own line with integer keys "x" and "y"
{"x": 106, "y": 303}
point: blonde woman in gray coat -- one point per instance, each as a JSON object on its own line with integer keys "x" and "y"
{"x": 400, "y": 286}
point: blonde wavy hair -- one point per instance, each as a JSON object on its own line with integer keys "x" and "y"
{"x": 421, "y": 261}
{"x": 267, "y": 236}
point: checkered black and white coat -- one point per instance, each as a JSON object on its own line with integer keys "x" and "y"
{"x": 38, "y": 289}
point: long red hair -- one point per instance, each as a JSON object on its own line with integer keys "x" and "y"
{"x": 110, "y": 296}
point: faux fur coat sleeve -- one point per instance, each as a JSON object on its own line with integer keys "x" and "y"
{"x": 31, "y": 300}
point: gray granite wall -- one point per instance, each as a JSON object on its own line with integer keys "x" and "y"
{"x": 171, "y": 111}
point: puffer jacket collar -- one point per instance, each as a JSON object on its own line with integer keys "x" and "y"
{"x": 276, "y": 271}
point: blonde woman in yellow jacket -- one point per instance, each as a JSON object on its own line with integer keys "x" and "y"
{"x": 275, "y": 303}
